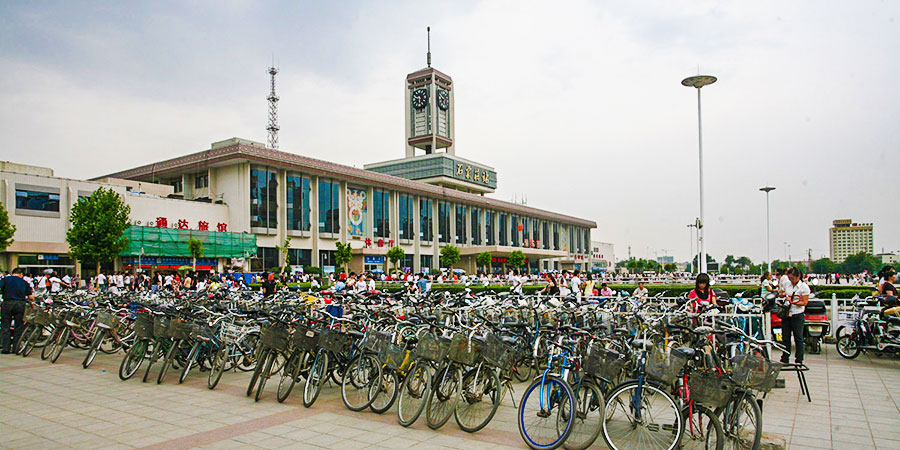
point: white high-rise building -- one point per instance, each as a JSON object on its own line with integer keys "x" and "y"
{"x": 849, "y": 238}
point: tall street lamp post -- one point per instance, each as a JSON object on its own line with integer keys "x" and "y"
{"x": 767, "y": 189}
{"x": 691, "y": 227}
{"x": 698, "y": 82}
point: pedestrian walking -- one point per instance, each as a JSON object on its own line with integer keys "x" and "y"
{"x": 15, "y": 292}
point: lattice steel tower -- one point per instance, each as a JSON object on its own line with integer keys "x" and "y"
{"x": 273, "y": 112}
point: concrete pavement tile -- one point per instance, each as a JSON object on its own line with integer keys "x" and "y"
{"x": 323, "y": 440}
{"x": 372, "y": 437}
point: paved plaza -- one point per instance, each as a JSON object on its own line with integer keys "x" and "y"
{"x": 62, "y": 405}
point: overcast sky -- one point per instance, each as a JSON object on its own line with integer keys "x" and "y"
{"x": 578, "y": 105}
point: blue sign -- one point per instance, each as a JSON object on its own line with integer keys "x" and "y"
{"x": 373, "y": 259}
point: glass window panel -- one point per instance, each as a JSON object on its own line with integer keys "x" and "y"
{"x": 460, "y": 225}
{"x": 443, "y": 222}
{"x": 37, "y": 201}
{"x": 426, "y": 220}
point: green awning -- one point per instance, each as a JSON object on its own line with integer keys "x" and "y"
{"x": 174, "y": 242}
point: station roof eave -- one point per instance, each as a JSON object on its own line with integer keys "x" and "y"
{"x": 255, "y": 154}
{"x": 505, "y": 250}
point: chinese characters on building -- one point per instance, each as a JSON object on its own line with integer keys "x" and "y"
{"x": 473, "y": 174}
{"x": 183, "y": 224}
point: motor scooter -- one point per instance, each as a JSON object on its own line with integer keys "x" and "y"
{"x": 872, "y": 330}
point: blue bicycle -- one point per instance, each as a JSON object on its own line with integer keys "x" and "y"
{"x": 546, "y": 411}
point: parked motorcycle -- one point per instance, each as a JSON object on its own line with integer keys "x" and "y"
{"x": 871, "y": 330}
{"x": 816, "y": 324}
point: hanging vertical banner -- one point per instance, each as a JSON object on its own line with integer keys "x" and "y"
{"x": 356, "y": 212}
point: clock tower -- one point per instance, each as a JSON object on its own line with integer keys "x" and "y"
{"x": 429, "y": 110}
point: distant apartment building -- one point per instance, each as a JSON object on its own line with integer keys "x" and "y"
{"x": 847, "y": 238}
{"x": 888, "y": 258}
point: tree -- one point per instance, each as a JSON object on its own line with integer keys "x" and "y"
{"x": 823, "y": 266}
{"x": 729, "y": 260}
{"x": 395, "y": 255}
{"x": 284, "y": 252}
{"x": 670, "y": 267}
{"x": 709, "y": 259}
{"x": 779, "y": 264}
{"x": 860, "y": 262}
{"x": 484, "y": 260}
{"x": 744, "y": 262}
{"x": 449, "y": 256}
{"x": 516, "y": 259}
{"x": 98, "y": 227}
{"x": 195, "y": 246}
{"x": 7, "y": 229}
{"x": 343, "y": 255}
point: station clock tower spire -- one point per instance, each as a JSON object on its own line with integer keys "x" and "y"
{"x": 429, "y": 110}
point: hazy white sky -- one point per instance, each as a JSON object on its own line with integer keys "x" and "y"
{"x": 577, "y": 104}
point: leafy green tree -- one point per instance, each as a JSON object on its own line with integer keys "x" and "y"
{"x": 343, "y": 255}
{"x": 670, "y": 267}
{"x": 824, "y": 265}
{"x": 484, "y": 260}
{"x": 7, "y": 229}
{"x": 285, "y": 253}
{"x": 779, "y": 264}
{"x": 729, "y": 260}
{"x": 709, "y": 259}
{"x": 395, "y": 255}
{"x": 516, "y": 259}
{"x": 98, "y": 227}
{"x": 449, "y": 256}
{"x": 195, "y": 247}
{"x": 744, "y": 262}
{"x": 860, "y": 262}
{"x": 312, "y": 270}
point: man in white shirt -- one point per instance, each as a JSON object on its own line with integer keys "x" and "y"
{"x": 576, "y": 284}
{"x": 641, "y": 292}
{"x": 797, "y": 295}
{"x": 101, "y": 281}
{"x": 517, "y": 282}
{"x": 55, "y": 283}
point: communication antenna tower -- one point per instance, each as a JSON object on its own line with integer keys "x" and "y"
{"x": 273, "y": 112}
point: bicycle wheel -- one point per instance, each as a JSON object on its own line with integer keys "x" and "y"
{"x": 92, "y": 351}
{"x": 168, "y": 362}
{"x": 386, "y": 394}
{"x": 133, "y": 359}
{"x": 290, "y": 375}
{"x": 641, "y": 416}
{"x": 260, "y": 363}
{"x": 247, "y": 346}
{"x": 741, "y": 422}
{"x": 442, "y": 399}
{"x": 265, "y": 374}
{"x": 61, "y": 340}
{"x": 360, "y": 381}
{"x": 155, "y": 353}
{"x": 544, "y": 416}
{"x": 522, "y": 370}
{"x": 31, "y": 340}
{"x": 414, "y": 393}
{"x": 318, "y": 375}
{"x": 589, "y": 416}
{"x": 478, "y": 399}
{"x": 219, "y": 366}
{"x": 191, "y": 359}
{"x": 702, "y": 429}
{"x": 19, "y": 344}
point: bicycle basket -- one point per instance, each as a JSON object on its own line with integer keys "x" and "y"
{"x": 143, "y": 327}
{"x": 393, "y": 356}
{"x": 603, "y": 363}
{"x": 230, "y": 332}
{"x": 106, "y": 319}
{"x": 273, "y": 337}
{"x": 41, "y": 317}
{"x": 161, "y": 326}
{"x": 305, "y": 339}
{"x": 179, "y": 329}
{"x": 464, "y": 350}
{"x": 201, "y": 330}
{"x": 497, "y": 353}
{"x": 432, "y": 348}
{"x": 710, "y": 389}
{"x": 336, "y": 342}
{"x": 665, "y": 368}
{"x": 376, "y": 341}
{"x": 29, "y": 313}
{"x": 754, "y": 372}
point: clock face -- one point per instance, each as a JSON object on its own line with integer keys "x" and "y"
{"x": 443, "y": 99}
{"x": 420, "y": 98}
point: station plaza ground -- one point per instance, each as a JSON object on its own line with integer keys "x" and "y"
{"x": 855, "y": 405}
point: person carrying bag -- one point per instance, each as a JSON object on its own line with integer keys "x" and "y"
{"x": 796, "y": 295}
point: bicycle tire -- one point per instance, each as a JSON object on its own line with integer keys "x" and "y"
{"x": 191, "y": 358}
{"x": 289, "y": 376}
{"x": 154, "y": 356}
{"x": 358, "y": 385}
{"x": 219, "y": 362}
{"x": 388, "y": 388}
{"x": 317, "y": 376}
{"x": 19, "y": 344}
{"x": 532, "y": 408}
{"x": 441, "y": 401}
{"x": 248, "y": 361}
{"x": 133, "y": 359}
{"x": 414, "y": 393}
{"x": 264, "y": 375}
{"x": 61, "y": 340}
{"x": 168, "y": 362}
{"x": 473, "y": 403}
{"x": 260, "y": 362}
{"x": 50, "y": 347}
{"x": 698, "y": 436}
{"x": 667, "y": 425}
{"x": 31, "y": 341}
{"x": 741, "y": 405}
{"x": 92, "y": 352}
{"x": 590, "y": 406}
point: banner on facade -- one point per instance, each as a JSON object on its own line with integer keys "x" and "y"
{"x": 356, "y": 212}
